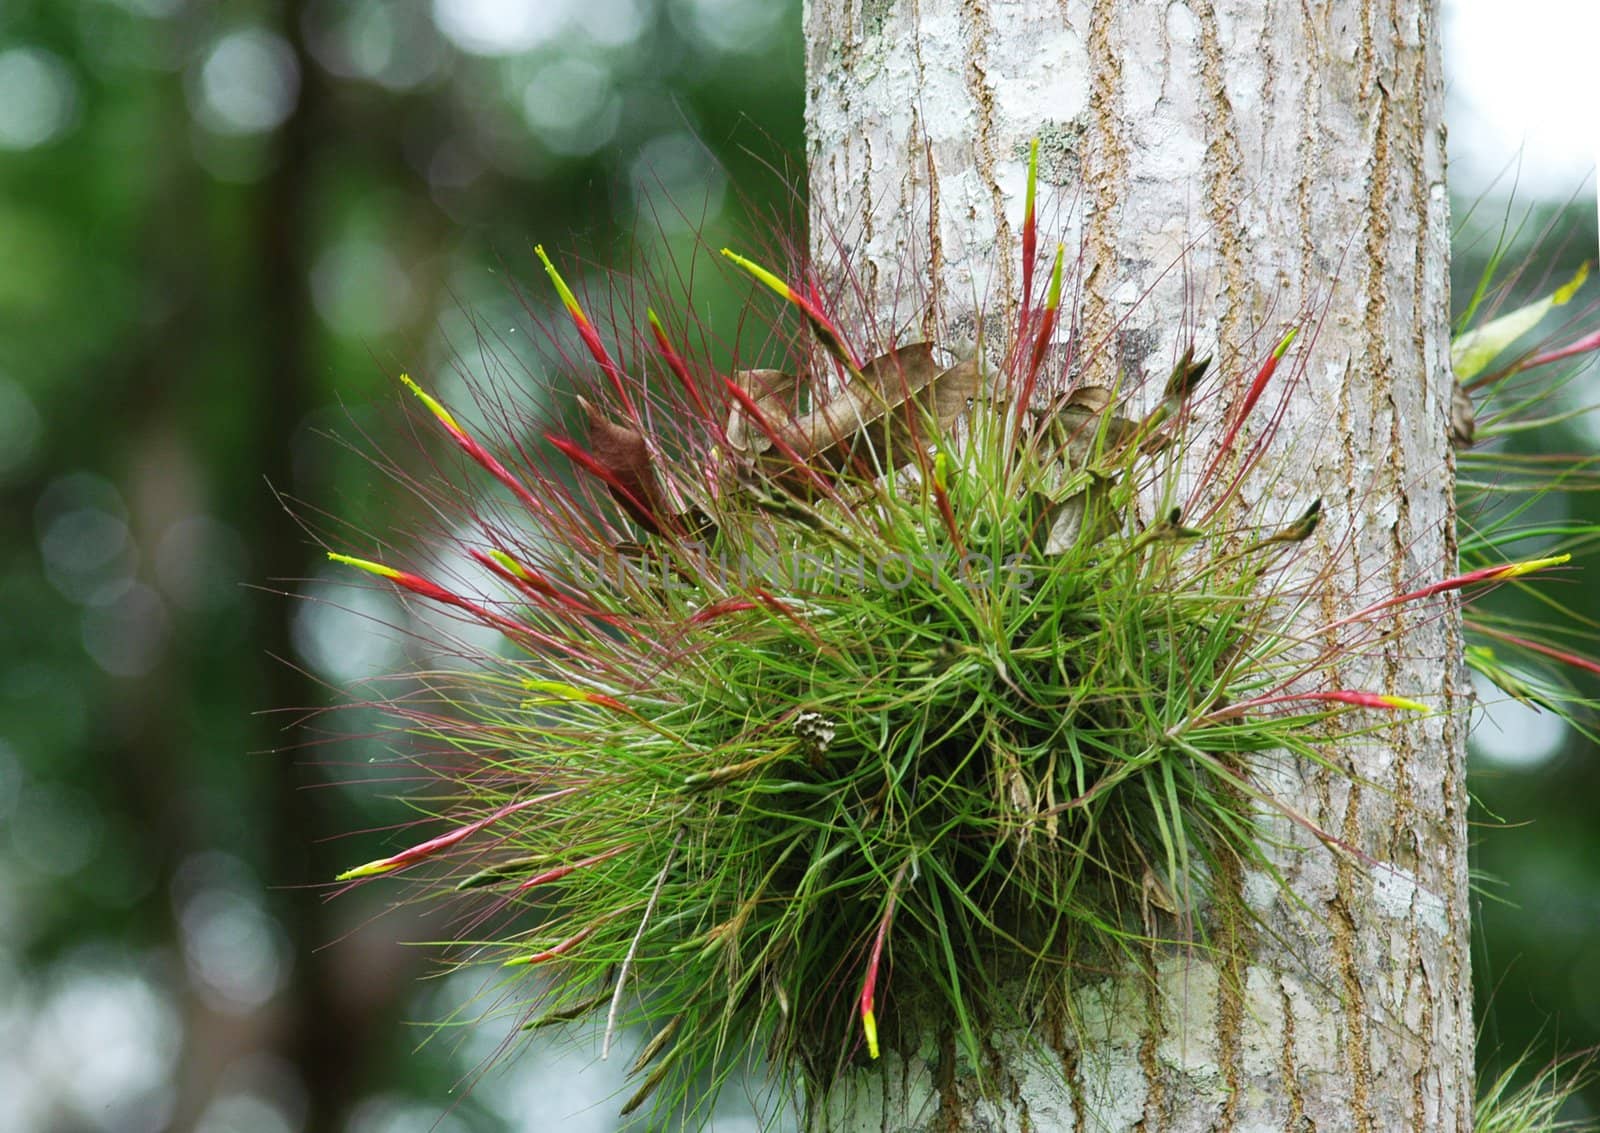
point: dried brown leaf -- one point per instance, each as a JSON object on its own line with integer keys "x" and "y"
{"x": 623, "y": 453}
{"x": 773, "y": 393}
{"x": 883, "y": 415}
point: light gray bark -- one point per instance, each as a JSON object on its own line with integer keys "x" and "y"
{"x": 1220, "y": 164}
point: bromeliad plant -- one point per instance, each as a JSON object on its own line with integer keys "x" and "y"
{"x": 845, "y": 693}
{"x": 1505, "y": 393}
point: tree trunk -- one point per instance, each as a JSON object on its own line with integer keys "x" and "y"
{"x": 1221, "y": 164}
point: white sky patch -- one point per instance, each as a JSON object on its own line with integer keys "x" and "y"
{"x": 1521, "y": 80}
{"x": 1510, "y": 734}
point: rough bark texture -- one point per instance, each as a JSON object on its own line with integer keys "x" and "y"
{"x": 1220, "y": 163}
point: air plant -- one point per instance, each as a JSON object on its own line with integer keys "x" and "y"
{"x": 844, "y": 692}
{"x": 1502, "y": 394}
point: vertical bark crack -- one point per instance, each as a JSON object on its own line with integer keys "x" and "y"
{"x": 1224, "y": 198}
{"x": 1155, "y": 1104}
{"x": 1234, "y": 948}
{"x": 1105, "y": 177}
{"x": 977, "y": 34}
{"x": 1289, "y": 1065}
{"x": 1341, "y": 920}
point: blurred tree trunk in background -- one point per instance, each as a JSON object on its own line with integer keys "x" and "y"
{"x": 1220, "y": 164}
{"x": 327, "y": 1025}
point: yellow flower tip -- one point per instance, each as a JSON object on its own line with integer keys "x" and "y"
{"x": 1405, "y": 703}
{"x": 371, "y": 869}
{"x": 1033, "y": 172}
{"x": 650, "y": 316}
{"x": 432, "y": 403}
{"x": 1571, "y": 288}
{"x": 509, "y": 563}
{"x": 516, "y": 961}
{"x": 364, "y": 564}
{"x": 760, "y": 273}
{"x": 1517, "y": 570}
{"x": 1283, "y": 346}
{"x": 941, "y": 470}
{"x": 1054, "y": 300}
{"x": 568, "y": 299}
{"x": 869, "y": 1024}
{"x": 557, "y": 689}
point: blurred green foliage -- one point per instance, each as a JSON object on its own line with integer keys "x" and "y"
{"x": 1536, "y": 844}
{"x": 224, "y": 227}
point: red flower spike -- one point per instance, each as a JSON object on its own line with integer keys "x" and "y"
{"x": 1352, "y": 697}
{"x": 424, "y": 850}
{"x": 631, "y": 503}
{"x": 586, "y": 331}
{"x": 720, "y": 608}
{"x": 1041, "y": 340}
{"x": 532, "y": 583}
{"x": 1252, "y": 395}
{"x": 476, "y": 451}
{"x": 1576, "y": 660}
{"x": 1258, "y": 387}
{"x": 941, "y": 496}
{"x": 750, "y": 406}
{"x": 1584, "y": 345}
{"x": 777, "y": 606}
{"x": 551, "y": 953}
{"x": 821, "y": 325}
{"x": 1030, "y": 229}
{"x": 676, "y": 364}
{"x": 412, "y": 582}
{"x": 434, "y": 592}
{"x": 869, "y": 986}
{"x": 561, "y": 871}
{"x": 1501, "y": 573}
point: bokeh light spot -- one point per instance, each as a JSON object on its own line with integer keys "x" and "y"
{"x": 573, "y": 106}
{"x": 20, "y": 427}
{"x": 248, "y": 84}
{"x": 340, "y": 630}
{"x": 83, "y": 538}
{"x": 500, "y": 27}
{"x": 201, "y": 563}
{"x": 127, "y": 635}
{"x": 360, "y": 289}
{"x": 731, "y": 27}
{"x": 236, "y": 952}
{"x": 108, "y": 1040}
{"x": 676, "y": 185}
{"x": 394, "y": 45}
{"x": 614, "y": 23}
{"x": 38, "y": 98}
{"x": 56, "y": 829}
{"x": 1510, "y": 734}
